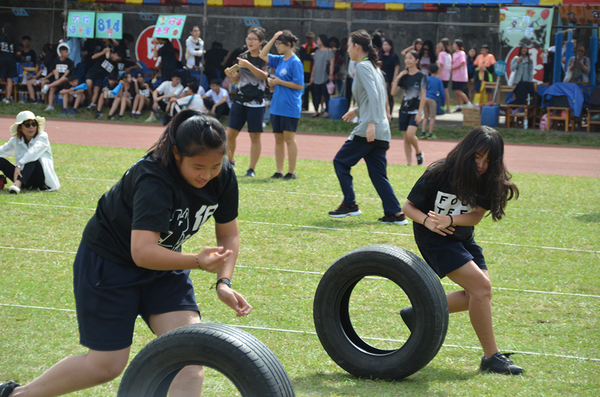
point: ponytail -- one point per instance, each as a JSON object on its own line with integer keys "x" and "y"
{"x": 363, "y": 39}
{"x": 191, "y": 133}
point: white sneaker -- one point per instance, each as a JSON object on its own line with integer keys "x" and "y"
{"x": 92, "y": 105}
{"x": 14, "y": 189}
{"x": 45, "y": 89}
{"x": 151, "y": 118}
{"x": 6, "y": 100}
{"x": 49, "y": 108}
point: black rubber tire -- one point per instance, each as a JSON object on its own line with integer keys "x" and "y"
{"x": 246, "y": 361}
{"x": 334, "y": 326}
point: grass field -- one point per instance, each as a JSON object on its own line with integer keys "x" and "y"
{"x": 543, "y": 261}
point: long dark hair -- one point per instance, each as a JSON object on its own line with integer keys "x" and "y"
{"x": 461, "y": 170}
{"x": 381, "y": 52}
{"x": 191, "y": 133}
{"x": 432, "y": 55}
{"x": 363, "y": 39}
{"x": 10, "y": 35}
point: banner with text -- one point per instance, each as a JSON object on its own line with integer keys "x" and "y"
{"x": 81, "y": 24}
{"x": 169, "y": 26}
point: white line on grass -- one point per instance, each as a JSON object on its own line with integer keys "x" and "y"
{"x": 293, "y": 331}
{"x": 351, "y": 230}
{"x": 320, "y": 274}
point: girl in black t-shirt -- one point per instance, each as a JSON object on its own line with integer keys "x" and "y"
{"x": 390, "y": 66}
{"x": 445, "y": 204}
{"x": 248, "y": 104}
{"x": 130, "y": 263}
{"x": 414, "y": 84}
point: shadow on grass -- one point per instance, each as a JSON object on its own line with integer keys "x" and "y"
{"x": 588, "y": 218}
{"x": 346, "y": 384}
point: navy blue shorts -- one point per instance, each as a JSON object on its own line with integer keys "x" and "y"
{"x": 458, "y": 85}
{"x": 240, "y": 114}
{"x": 282, "y": 123}
{"x": 405, "y": 120}
{"x": 446, "y": 258}
{"x": 109, "y": 297}
{"x": 445, "y": 83}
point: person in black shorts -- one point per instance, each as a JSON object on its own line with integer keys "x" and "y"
{"x": 130, "y": 260}
{"x": 414, "y": 84}
{"x": 58, "y": 75}
{"x": 8, "y": 59}
{"x": 449, "y": 199}
{"x": 106, "y": 63}
{"x": 248, "y": 104}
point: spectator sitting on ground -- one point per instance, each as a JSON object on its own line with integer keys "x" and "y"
{"x": 45, "y": 63}
{"x": 216, "y": 100}
{"x": 108, "y": 95}
{"x": 164, "y": 92}
{"x": 143, "y": 95}
{"x": 34, "y": 166}
{"x": 26, "y": 54}
{"x": 190, "y": 98}
{"x": 127, "y": 94}
{"x": 70, "y": 94}
{"x": 58, "y": 77}
{"x": 106, "y": 63}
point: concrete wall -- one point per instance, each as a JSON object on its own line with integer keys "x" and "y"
{"x": 226, "y": 24}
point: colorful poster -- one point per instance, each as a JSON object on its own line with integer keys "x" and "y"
{"x": 81, "y": 24}
{"x": 109, "y": 25}
{"x": 169, "y": 26}
{"x": 528, "y": 26}
{"x": 579, "y": 14}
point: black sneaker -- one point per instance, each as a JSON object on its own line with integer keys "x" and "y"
{"x": 500, "y": 363}
{"x": 99, "y": 114}
{"x": 420, "y": 158}
{"x": 423, "y": 135}
{"x": 250, "y": 173}
{"x": 344, "y": 211}
{"x": 289, "y": 176}
{"x": 430, "y": 136}
{"x": 277, "y": 175}
{"x": 393, "y": 219}
{"x": 110, "y": 117}
{"x": 408, "y": 317}
{"x": 7, "y": 388}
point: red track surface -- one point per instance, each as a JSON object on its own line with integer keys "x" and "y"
{"x": 540, "y": 159}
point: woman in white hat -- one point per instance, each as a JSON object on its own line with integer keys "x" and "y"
{"x": 34, "y": 166}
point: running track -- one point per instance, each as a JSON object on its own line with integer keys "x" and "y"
{"x": 536, "y": 159}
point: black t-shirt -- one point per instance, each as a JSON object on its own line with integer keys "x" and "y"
{"x": 91, "y": 47}
{"x": 412, "y": 86}
{"x": 251, "y": 89}
{"x": 62, "y": 66}
{"x": 388, "y": 64}
{"x": 152, "y": 197}
{"x": 436, "y": 195}
{"x": 29, "y": 56}
{"x": 7, "y": 50}
{"x": 102, "y": 68}
{"x": 168, "y": 57}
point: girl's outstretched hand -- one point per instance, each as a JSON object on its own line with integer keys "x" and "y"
{"x": 234, "y": 300}
{"x": 211, "y": 259}
{"x": 438, "y": 223}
